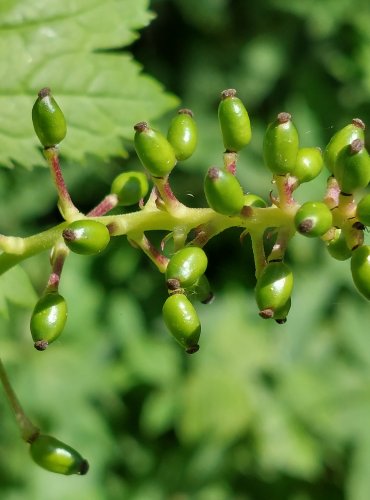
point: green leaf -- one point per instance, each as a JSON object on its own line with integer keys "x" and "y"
{"x": 15, "y": 286}
{"x": 61, "y": 45}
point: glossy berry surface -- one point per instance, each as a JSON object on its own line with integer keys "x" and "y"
{"x": 154, "y": 151}
{"x": 360, "y": 269}
{"x": 200, "y": 291}
{"x": 341, "y": 139}
{"x": 337, "y": 247}
{"x": 253, "y": 200}
{"x": 363, "y": 210}
{"x": 183, "y": 134}
{"x": 55, "y": 456}
{"x": 48, "y": 319}
{"x": 234, "y": 121}
{"x": 86, "y": 237}
{"x": 309, "y": 164}
{"x": 130, "y": 187}
{"x": 352, "y": 167}
{"x": 48, "y": 119}
{"x": 313, "y": 219}
{"x": 273, "y": 289}
{"x": 223, "y": 192}
{"x": 182, "y": 321}
{"x": 187, "y": 265}
{"x": 280, "y": 145}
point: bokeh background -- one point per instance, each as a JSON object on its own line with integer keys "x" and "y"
{"x": 263, "y": 411}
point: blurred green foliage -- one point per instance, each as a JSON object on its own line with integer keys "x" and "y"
{"x": 263, "y": 411}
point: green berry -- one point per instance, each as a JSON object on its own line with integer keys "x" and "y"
{"x": 280, "y": 145}
{"x": 48, "y": 319}
{"x": 182, "y": 321}
{"x": 360, "y": 268}
{"x": 273, "y": 289}
{"x": 183, "y": 134}
{"x": 352, "y": 167}
{"x": 363, "y": 210}
{"x": 48, "y": 119}
{"x": 86, "y": 236}
{"x": 234, "y": 121}
{"x": 252, "y": 200}
{"x": 186, "y": 266}
{"x": 341, "y": 139}
{"x": 130, "y": 187}
{"x": 313, "y": 219}
{"x": 309, "y": 164}
{"x": 337, "y": 247}
{"x": 223, "y": 192}
{"x": 55, "y": 456}
{"x": 154, "y": 151}
{"x": 200, "y": 291}
{"x": 280, "y": 315}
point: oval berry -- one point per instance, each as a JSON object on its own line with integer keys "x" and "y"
{"x": 223, "y": 192}
{"x": 86, "y": 237}
{"x": 234, "y": 121}
{"x": 48, "y": 119}
{"x": 183, "y": 134}
{"x": 48, "y": 319}
{"x": 309, "y": 164}
{"x": 281, "y": 314}
{"x": 352, "y": 167}
{"x": 273, "y": 289}
{"x": 154, "y": 151}
{"x": 280, "y": 145}
{"x": 186, "y": 266}
{"x": 55, "y": 456}
{"x": 182, "y": 321}
{"x": 252, "y": 200}
{"x": 341, "y": 139}
{"x": 313, "y": 219}
{"x": 363, "y": 210}
{"x": 360, "y": 268}
{"x": 337, "y": 247}
{"x": 200, "y": 291}
{"x": 130, "y": 187}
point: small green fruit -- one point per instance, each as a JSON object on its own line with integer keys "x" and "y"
{"x": 182, "y": 321}
{"x": 363, "y": 210}
{"x": 48, "y": 319}
{"x": 341, "y": 139}
{"x": 234, "y": 121}
{"x": 48, "y": 119}
{"x": 154, "y": 151}
{"x": 86, "y": 236}
{"x": 308, "y": 165}
{"x": 130, "y": 187}
{"x": 273, "y": 290}
{"x": 55, "y": 456}
{"x": 200, "y": 291}
{"x": 313, "y": 219}
{"x": 186, "y": 266}
{"x": 352, "y": 168}
{"x": 223, "y": 192}
{"x": 183, "y": 134}
{"x": 280, "y": 145}
{"x": 337, "y": 247}
{"x": 252, "y": 200}
{"x": 281, "y": 314}
{"x": 360, "y": 268}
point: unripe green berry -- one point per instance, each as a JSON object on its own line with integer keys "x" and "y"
{"x": 281, "y": 314}
{"x": 352, "y": 167}
{"x": 363, "y": 210}
{"x": 337, "y": 247}
{"x": 280, "y": 145}
{"x": 313, "y": 219}
{"x": 223, "y": 192}
{"x": 48, "y": 319}
{"x": 341, "y": 139}
{"x": 273, "y": 289}
{"x": 55, "y": 456}
{"x": 48, "y": 119}
{"x": 182, "y": 321}
{"x": 154, "y": 151}
{"x": 200, "y": 291}
{"x": 234, "y": 121}
{"x": 252, "y": 200}
{"x": 86, "y": 236}
{"x": 186, "y": 266}
{"x": 308, "y": 165}
{"x": 183, "y": 134}
{"x": 130, "y": 187}
{"x": 360, "y": 268}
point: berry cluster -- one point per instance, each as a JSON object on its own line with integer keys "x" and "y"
{"x": 339, "y": 220}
